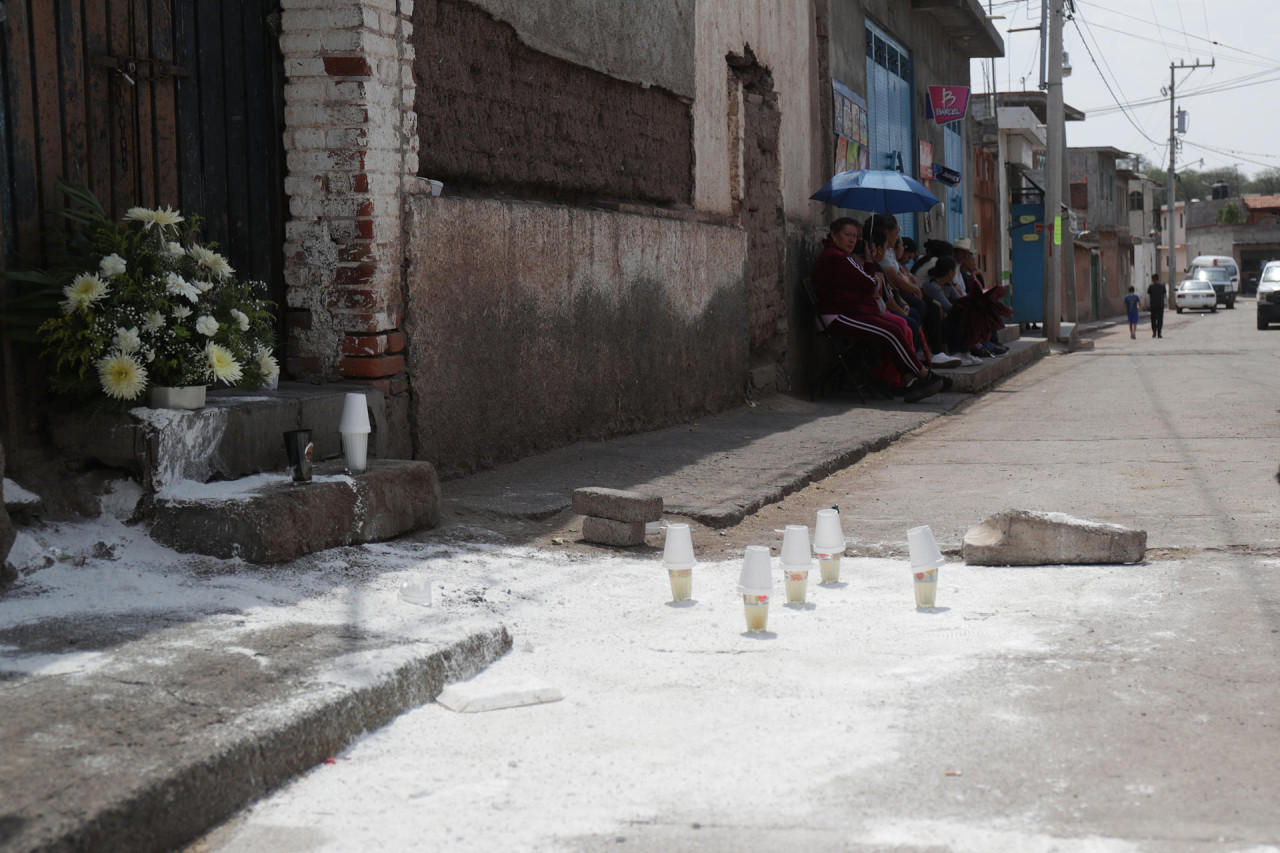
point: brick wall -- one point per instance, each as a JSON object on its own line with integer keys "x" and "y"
{"x": 499, "y": 116}
{"x": 352, "y": 151}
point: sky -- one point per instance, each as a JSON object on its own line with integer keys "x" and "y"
{"x": 1120, "y": 55}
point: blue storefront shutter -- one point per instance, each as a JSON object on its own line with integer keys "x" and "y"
{"x": 889, "y": 109}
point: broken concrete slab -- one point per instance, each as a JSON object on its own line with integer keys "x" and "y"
{"x": 606, "y": 531}
{"x": 617, "y": 504}
{"x": 269, "y": 519}
{"x": 1024, "y": 538}
{"x": 492, "y": 691}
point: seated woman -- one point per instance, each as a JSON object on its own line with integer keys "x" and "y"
{"x": 846, "y": 294}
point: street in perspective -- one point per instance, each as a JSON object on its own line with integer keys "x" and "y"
{"x": 1069, "y": 708}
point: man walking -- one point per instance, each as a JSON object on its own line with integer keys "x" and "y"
{"x": 1155, "y": 304}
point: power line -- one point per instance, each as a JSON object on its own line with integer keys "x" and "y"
{"x": 1075, "y": 21}
{"x": 1183, "y": 33}
{"x": 1225, "y": 86}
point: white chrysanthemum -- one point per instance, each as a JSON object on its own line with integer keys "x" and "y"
{"x": 222, "y": 364}
{"x": 211, "y": 261}
{"x": 182, "y": 312}
{"x": 112, "y": 265}
{"x": 154, "y": 322}
{"x": 267, "y": 364}
{"x": 179, "y": 286}
{"x": 207, "y": 326}
{"x": 241, "y": 318}
{"x": 175, "y": 249}
{"x": 83, "y": 291}
{"x": 164, "y": 217}
{"x": 202, "y": 285}
{"x": 127, "y": 340}
{"x": 121, "y": 376}
{"x": 150, "y": 354}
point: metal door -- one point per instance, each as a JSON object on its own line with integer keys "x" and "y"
{"x": 1027, "y": 236}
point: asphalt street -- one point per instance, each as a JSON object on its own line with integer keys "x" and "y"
{"x": 1079, "y": 708}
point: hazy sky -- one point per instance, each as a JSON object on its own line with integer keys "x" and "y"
{"x": 1236, "y": 119}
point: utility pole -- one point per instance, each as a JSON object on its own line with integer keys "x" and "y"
{"x": 1171, "y": 192}
{"x": 1055, "y": 142}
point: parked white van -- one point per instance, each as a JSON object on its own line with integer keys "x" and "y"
{"x": 1226, "y": 293}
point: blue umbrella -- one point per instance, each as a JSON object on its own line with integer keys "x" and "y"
{"x": 876, "y": 191}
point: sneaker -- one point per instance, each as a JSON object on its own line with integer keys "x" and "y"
{"x": 993, "y": 347}
{"x": 921, "y": 388}
{"x": 980, "y": 353}
{"x": 967, "y": 360}
{"x": 941, "y": 359}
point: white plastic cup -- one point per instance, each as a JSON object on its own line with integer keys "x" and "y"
{"x": 355, "y": 451}
{"x": 755, "y": 582}
{"x": 923, "y": 549}
{"x": 828, "y": 544}
{"x": 926, "y": 583}
{"x": 436, "y": 186}
{"x": 797, "y": 581}
{"x": 681, "y": 584}
{"x": 677, "y": 550}
{"x": 355, "y": 414}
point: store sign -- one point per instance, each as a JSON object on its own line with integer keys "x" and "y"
{"x": 950, "y": 177}
{"x": 948, "y": 103}
{"x": 926, "y": 160}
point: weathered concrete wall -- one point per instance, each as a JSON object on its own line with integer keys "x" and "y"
{"x": 648, "y": 43}
{"x": 784, "y": 39}
{"x": 532, "y": 325}
{"x": 499, "y": 117}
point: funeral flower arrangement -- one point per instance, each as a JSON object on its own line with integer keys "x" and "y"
{"x": 148, "y": 305}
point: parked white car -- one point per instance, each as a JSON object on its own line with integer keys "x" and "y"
{"x": 1269, "y": 294}
{"x": 1196, "y": 294}
{"x": 1226, "y": 287}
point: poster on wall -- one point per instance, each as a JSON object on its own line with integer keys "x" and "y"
{"x": 926, "y": 161}
{"x": 850, "y": 111}
{"x": 947, "y": 103}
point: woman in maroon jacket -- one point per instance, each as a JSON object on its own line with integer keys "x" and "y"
{"x": 847, "y": 302}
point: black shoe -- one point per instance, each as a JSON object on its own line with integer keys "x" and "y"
{"x": 921, "y": 388}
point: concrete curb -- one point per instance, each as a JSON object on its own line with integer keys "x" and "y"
{"x": 198, "y": 777}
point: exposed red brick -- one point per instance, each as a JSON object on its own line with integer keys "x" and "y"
{"x": 365, "y": 209}
{"x": 355, "y": 274}
{"x": 347, "y": 66}
{"x": 297, "y": 320}
{"x": 356, "y": 252}
{"x": 364, "y": 227}
{"x": 399, "y": 385}
{"x": 360, "y": 299}
{"x": 360, "y": 183}
{"x": 368, "y": 324}
{"x": 395, "y": 341}
{"x": 371, "y": 368}
{"x": 364, "y": 345}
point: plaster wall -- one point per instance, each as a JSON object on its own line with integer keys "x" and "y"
{"x": 533, "y": 325}
{"x": 783, "y": 37}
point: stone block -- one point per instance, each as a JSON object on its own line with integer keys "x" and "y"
{"x": 606, "y": 531}
{"x": 281, "y": 521}
{"x": 617, "y": 505}
{"x": 253, "y": 439}
{"x": 1023, "y": 538}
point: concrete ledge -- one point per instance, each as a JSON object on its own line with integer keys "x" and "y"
{"x": 153, "y": 751}
{"x": 978, "y": 377}
{"x": 276, "y": 520}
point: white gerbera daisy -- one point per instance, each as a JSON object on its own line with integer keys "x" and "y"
{"x": 267, "y": 364}
{"x": 112, "y": 265}
{"x": 127, "y": 340}
{"x": 83, "y": 291}
{"x": 179, "y": 286}
{"x": 164, "y": 217}
{"x": 154, "y": 322}
{"x": 121, "y": 376}
{"x": 211, "y": 261}
{"x": 222, "y": 364}
{"x": 182, "y": 312}
{"x": 207, "y": 326}
{"x": 241, "y": 318}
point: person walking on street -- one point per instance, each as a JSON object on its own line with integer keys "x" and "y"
{"x": 1155, "y": 304}
{"x": 1131, "y": 307}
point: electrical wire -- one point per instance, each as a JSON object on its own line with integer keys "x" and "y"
{"x": 1076, "y": 22}
{"x": 1155, "y": 23}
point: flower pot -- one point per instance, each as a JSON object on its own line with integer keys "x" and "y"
{"x": 183, "y": 397}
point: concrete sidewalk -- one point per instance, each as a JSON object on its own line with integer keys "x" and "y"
{"x": 148, "y": 696}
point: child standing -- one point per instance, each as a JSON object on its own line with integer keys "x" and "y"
{"x": 1131, "y": 306}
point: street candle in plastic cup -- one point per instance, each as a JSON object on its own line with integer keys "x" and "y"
{"x": 756, "y": 585}
{"x": 828, "y": 544}
{"x": 677, "y": 557}
{"x": 926, "y": 587}
{"x": 796, "y": 560}
{"x": 354, "y": 427}
{"x": 355, "y": 414}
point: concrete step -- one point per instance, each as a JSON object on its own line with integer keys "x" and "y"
{"x": 980, "y": 376}
{"x": 1009, "y": 334}
{"x": 236, "y": 434}
{"x": 271, "y": 519}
